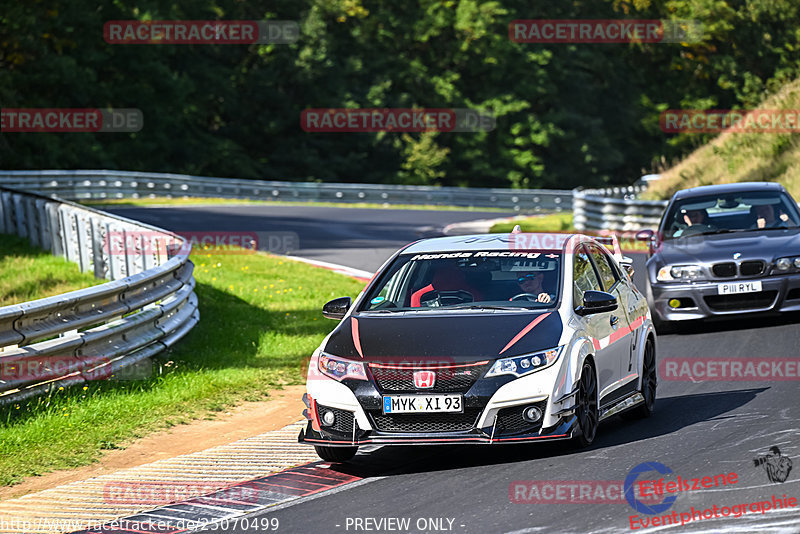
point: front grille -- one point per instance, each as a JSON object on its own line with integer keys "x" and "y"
{"x": 793, "y": 294}
{"x": 743, "y": 301}
{"x": 751, "y": 268}
{"x": 343, "y": 420}
{"x": 425, "y": 423}
{"x": 510, "y": 421}
{"x": 455, "y": 379}
{"x": 724, "y": 270}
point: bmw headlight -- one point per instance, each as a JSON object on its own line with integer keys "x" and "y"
{"x": 339, "y": 368}
{"x": 522, "y": 365}
{"x": 679, "y": 273}
{"x": 785, "y": 264}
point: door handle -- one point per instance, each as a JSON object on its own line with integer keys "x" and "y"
{"x": 614, "y": 322}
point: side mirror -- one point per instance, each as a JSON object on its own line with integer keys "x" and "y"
{"x": 645, "y": 235}
{"x": 627, "y": 264}
{"x": 597, "y": 302}
{"x": 336, "y": 308}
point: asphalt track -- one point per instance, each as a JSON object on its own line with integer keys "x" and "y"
{"x": 701, "y": 428}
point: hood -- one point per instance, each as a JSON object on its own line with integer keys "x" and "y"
{"x": 765, "y": 245}
{"x": 456, "y": 337}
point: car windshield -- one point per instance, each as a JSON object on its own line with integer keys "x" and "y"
{"x": 733, "y": 212}
{"x": 468, "y": 280}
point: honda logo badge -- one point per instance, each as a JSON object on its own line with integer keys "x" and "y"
{"x": 424, "y": 379}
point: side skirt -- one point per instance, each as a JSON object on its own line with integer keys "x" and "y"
{"x": 628, "y": 402}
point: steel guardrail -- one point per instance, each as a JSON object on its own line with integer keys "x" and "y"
{"x": 92, "y": 333}
{"x": 90, "y": 184}
{"x": 615, "y": 209}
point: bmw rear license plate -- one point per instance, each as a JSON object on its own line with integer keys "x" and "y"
{"x": 733, "y": 288}
{"x": 423, "y": 403}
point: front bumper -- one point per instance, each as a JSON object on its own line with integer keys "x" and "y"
{"x": 476, "y": 436}
{"x": 779, "y": 294}
{"x": 492, "y": 413}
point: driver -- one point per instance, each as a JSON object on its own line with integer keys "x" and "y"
{"x": 692, "y": 218}
{"x": 531, "y": 283}
{"x": 765, "y": 216}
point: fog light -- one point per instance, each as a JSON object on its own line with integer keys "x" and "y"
{"x": 783, "y": 264}
{"x": 674, "y": 303}
{"x": 532, "y": 414}
{"x": 328, "y": 418}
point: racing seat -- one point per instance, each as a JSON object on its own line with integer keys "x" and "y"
{"x": 447, "y": 280}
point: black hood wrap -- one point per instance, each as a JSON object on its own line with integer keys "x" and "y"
{"x": 453, "y": 337}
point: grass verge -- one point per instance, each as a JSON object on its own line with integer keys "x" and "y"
{"x": 741, "y": 157}
{"x": 27, "y": 273}
{"x": 196, "y": 201}
{"x": 260, "y": 319}
{"x": 555, "y": 222}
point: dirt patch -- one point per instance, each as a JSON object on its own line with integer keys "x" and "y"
{"x": 249, "y": 419}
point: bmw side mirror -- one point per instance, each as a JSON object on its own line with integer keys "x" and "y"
{"x": 645, "y": 235}
{"x": 336, "y": 308}
{"x": 597, "y": 302}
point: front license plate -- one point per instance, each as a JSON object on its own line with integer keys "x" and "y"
{"x": 423, "y": 403}
{"x": 739, "y": 287}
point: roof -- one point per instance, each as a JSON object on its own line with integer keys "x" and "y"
{"x": 521, "y": 241}
{"x": 723, "y": 189}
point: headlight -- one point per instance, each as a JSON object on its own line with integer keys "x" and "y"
{"x": 787, "y": 263}
{"x": 339, "y": 369}
{"x": 678, "y": 273}
{"x": 522, "y": 365}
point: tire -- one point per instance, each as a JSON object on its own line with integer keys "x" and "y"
{"x": 586, "y": 407}
{"x": 649, "y": 385}
{"x": 335, "y": 454}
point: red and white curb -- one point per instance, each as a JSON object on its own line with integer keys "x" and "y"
{"x": 97, "y": 501}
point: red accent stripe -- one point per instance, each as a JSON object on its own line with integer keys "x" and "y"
{"x": 416, "y": 366}
{"x": 416, "y": 296}
{"x": 525, "y": 331}
{"x": 356, "y": 339}
{"x": 314, "y": 415}
{"x": 432, "y": 440}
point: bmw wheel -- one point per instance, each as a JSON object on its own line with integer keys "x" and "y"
{"x": 335, "y": 454}
{"x": 586, "y": 407}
